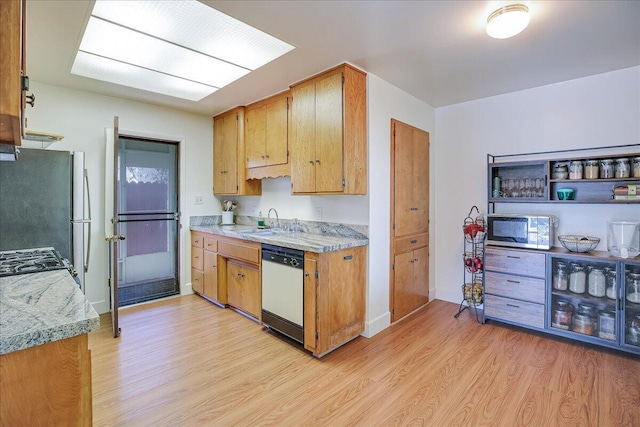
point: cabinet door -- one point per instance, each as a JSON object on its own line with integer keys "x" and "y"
{"x": 10, "y": 84}
{"x": 225, "y": 155}
{"x": 210, "y": 274}
{"x": 303, "y": 137}
{"x": 329, "y": 120}
{"x": 243, "y": 288}
{"x": 255, "y": 136}
{"x": 197, "y": 283}
{"x": 276, "y": 132}
{"x": 340, "y": 304}
{"x": 411, "y": 282}
{"x": 411, "y": 180}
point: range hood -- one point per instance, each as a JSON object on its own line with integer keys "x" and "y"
{"x": 34, "y": 135}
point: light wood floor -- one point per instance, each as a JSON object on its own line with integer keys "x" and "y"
{"x": 185, "y": 362}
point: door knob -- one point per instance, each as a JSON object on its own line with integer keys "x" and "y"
{"x": 114, "y": 238}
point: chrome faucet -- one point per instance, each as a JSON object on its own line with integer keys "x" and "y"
{"x": 269, "y": 218}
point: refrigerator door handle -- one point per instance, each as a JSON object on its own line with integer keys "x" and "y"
{"x": 86, "y": 182}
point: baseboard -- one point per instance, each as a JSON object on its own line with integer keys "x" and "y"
{"x": 100, "y": 307}
{"x": 376, "y": 325}
{"x": 186, "y": 289}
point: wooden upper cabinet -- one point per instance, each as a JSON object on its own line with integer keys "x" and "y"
{"x": 11, "y": 69}
{"x": 229, "y": 171}
{"x": 411, "y": 179}
{"x": 266, "y": 137}
{"x": 328, "y": 134}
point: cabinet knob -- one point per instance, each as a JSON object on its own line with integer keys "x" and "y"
{"x": 311, "y": 161}
{"x": 317, "y": 160}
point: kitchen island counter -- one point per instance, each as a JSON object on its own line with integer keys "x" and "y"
{"x": 41, "y": 308}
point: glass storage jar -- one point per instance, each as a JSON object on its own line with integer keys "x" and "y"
{"x": 607, "y": 325}
{"x": 562, "y": 314}
{"x": 610, "y": 278}
{"x": 597, "y": 283}
{"x": 606, "y": 168}
{"x": 561, "y": 172}
{"x": 583, "y": 324}
{"x": 560, "y": 280}
{"x": 636, "y": 167}
{"x": 575, "y": 170}
{"x": 633, "y": 287}
{"x": 622, "y": 169}
{"x": 577, "y": 279}
{"x": 633, "y": 331}
{"x": 591, "y": 169}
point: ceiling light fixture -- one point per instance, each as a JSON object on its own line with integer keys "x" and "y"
{"x": 508, "y": 21}
{"x": 181, "y": 48}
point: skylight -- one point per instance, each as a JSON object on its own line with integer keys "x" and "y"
{"x": 178, "y": 48}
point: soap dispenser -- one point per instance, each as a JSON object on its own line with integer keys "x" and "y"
{"x": 260, "y": 219}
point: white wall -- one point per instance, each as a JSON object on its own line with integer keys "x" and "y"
{"x": 82, "y": 118}
{"x": 384, "y": 103}
{"x": 596, "y": 111}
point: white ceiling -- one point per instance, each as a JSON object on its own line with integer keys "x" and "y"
{"x": 437, "y": 51}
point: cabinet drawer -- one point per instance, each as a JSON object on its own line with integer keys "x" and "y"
{"x": 197, "y": 261}
{"x": 197, "y": 240}
{"x": 524, "y": 313}
{"x": 211, "y": 244}
{"x": 409, "y": 243}
{"x": 515, "y": 262}
{"x": 242, "y": 251}
{"x": 197, "y": 281}
{"x": 519, "y": 287}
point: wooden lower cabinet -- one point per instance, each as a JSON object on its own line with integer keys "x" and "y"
{"x": 244, "y": 290}
{"x": 47, "y": 385}
{"x": 204, "y": 266}
{"x": 334, "y": 298}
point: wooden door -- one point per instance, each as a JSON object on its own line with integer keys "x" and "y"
{"x": 210, "y": 276}
{"x": 255, "y": 136}
{"x": 303, "y": 137}
{"x": 329, "y": 144}
{"x": 276, "y": 117}
{"x": 409, "y": 287}
{"x": 225, "y": 154}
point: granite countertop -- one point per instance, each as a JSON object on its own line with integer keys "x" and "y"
{"x": 40, "y": 308}
{"x": 314, "y": 237}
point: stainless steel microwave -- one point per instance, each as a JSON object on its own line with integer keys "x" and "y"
{"x": 520, "y": 231}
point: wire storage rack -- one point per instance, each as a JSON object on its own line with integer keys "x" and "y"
{"x": 473, "y": 229}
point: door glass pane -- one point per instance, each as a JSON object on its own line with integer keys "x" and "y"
{"x": 147, "y": 205}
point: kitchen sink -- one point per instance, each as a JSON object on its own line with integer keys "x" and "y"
{"x": 256, "y": 231}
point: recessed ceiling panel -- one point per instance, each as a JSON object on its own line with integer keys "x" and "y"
{"x": 198, "y": 27}
{"x": 100, "y": 68}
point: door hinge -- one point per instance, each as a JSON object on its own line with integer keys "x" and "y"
{"x": 394, "y": 225}
{"x": 237, "y": 188}
{"x": 342, "y": 78}
{"x": 316, "y": 274}
{"x": 316, "y": 336}
{"x": 288, "y": 106}
{"x": 393, "y": 266}
{"x": 393, "y": 312}
{"x": 237, "y": 117}
{"x": 344, "y": 183}
{"x": 394, "y": 132}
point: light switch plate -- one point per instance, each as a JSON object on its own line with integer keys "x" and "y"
{"x": 198, "y": 200}
{"x": 318, "y": 212}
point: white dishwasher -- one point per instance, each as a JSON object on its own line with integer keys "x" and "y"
{"x": 282, "y": 290}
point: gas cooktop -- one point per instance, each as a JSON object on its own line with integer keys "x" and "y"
{"x": 26, "y": 261}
